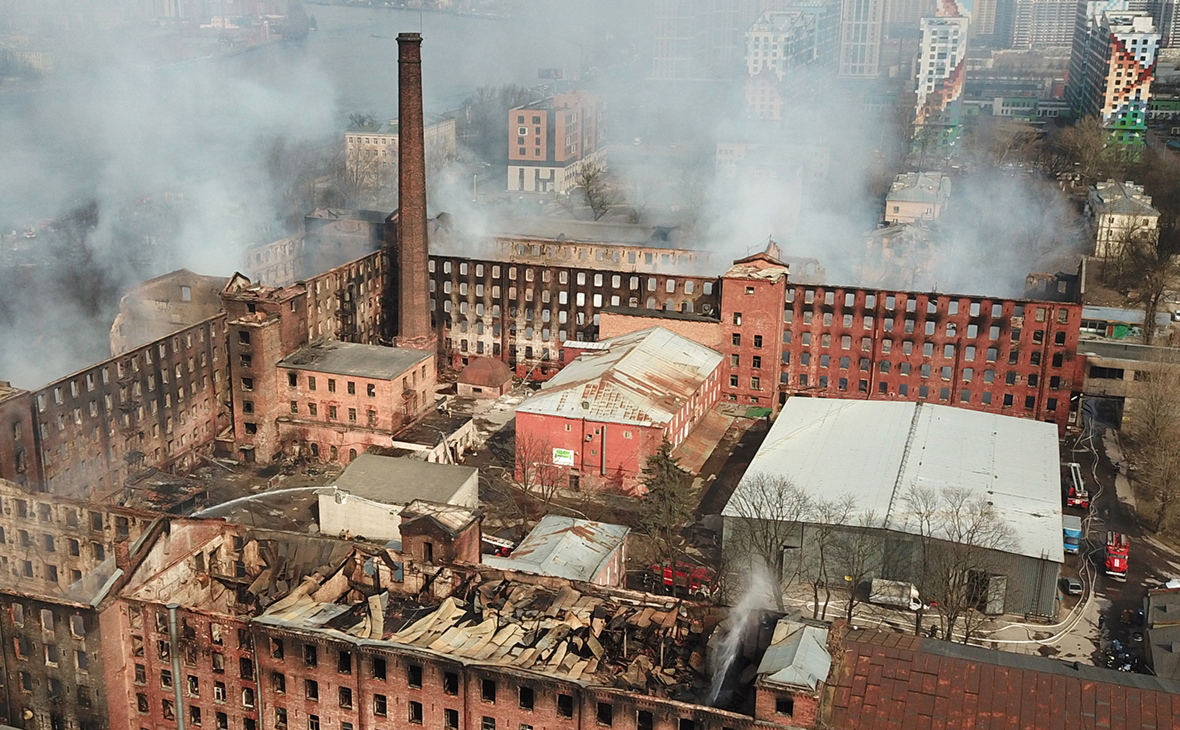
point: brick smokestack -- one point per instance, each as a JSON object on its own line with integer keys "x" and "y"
{"x": 413, "y": 305}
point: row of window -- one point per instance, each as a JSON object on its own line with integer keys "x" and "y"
{"x": 195, "y": 715}
{"x": 1008, "y": 400}
{"x": 581, "y": 278}
{"x": 125, "y": 366}
{"x": 333, "y": 413}
{"x": 970, "y": 353}
{"x": 933, "y": 306}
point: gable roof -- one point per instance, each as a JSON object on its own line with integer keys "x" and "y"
{"x": 642, "y": 378}
{"x": 797, "y": 655}
{"x": 564, "y": 547}
{"x": 888, "y": 680}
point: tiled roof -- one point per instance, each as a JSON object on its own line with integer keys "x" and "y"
{"x": 889, "y": 680}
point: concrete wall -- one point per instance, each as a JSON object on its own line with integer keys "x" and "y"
{"x": 1031, "y": 583}
{"x": 342, "y": 513}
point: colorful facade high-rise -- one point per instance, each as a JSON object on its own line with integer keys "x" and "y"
{"x": 942, "y": 69}
{"x": 1111, "y": 71}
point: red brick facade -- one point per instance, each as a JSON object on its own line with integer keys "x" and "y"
{"x": 707, "y": 332}
{"x": 18, "y": 449}
{"x": 337, "y": 417}
{"x": 1015, "y": 357}
{"x": 611, "y": 454}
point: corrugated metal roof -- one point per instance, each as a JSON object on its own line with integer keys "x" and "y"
{"x": 797, "y": 655}
{"x": 564, "y": 547}
{"x": 642, "y": 378}
{"x": 830, "y": 448}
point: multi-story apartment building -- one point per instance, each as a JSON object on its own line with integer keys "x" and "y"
{"x": 780, "y": 46}
{"x": 702, "y": 39}
{"x": 1167, "y": 21}
{"x": 1037, "y": 24}
{"x": 862, "y": 25}
{"x": 1111, "y": 71}
{"x": 1119, "y": 213}
{"x": 550, "y": 141}
{"x": 370, "y": 153}
{"x": 942, "y": 69}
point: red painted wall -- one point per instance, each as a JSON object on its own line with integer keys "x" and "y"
{"x": 625, "y": 456}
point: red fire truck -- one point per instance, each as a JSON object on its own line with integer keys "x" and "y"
{"x": 1077, "y": 496}
{"x": 1118, "y": 551}
{"x": 698, "y": 579}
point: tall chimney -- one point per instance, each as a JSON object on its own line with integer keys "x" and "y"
{"x": 413, "y": 305}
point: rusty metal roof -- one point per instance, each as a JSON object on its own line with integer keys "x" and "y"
{"x": 642, "y": 378}
{"x": 564, "y": 547}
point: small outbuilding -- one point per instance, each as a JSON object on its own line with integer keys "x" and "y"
{"x": 369, "y": 497}
{"x": 485, "y": 377}
{"x": 565, "y": 547}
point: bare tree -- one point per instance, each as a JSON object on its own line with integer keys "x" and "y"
{"x": 1148, "y": 268}
{"x": 999, "y": 141}
{"x": 960, "y": 537}
{"x": 1154, "y": 427}
{"x": 768, "y": 510}
{"x": 855, "y": 553}
{"x": 360, "y": 120}
{"x": 828, "y": 518}
{"x": 536, "y": 479}
{"x": 600, "y": 189}
{"x": 1087, "y": 149}
{"x": 483, "y": 121}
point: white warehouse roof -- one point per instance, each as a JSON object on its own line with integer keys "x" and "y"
{"x": 642, "y": 378}
{"x": 830, "y": 448}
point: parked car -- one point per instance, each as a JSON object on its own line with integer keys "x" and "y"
{"x": 1071, "y": 586}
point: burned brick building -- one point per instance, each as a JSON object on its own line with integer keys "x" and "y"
{"x": 780, "y": 339}
{"x": 246, "y": 629}
{"x": 518, "y": 292}
{"x": 61, "y": 562}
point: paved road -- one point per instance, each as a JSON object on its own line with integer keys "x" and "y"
{"x": 1151, "y": 562}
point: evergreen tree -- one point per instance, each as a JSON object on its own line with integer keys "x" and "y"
{"x": 667, "y": 504}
